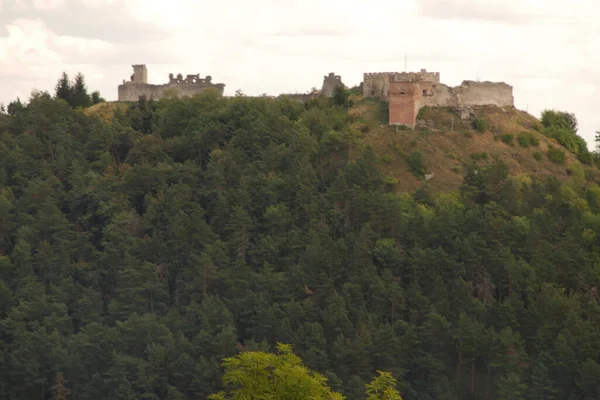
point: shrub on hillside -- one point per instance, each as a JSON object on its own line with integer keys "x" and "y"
{"x": 480, "y": 125}
{"x": 479, "y": 156}
{"x": 562, "y": 126}
{"x": 538, "y": 155}
{"x": 507, "y": 138}
{"x": 415, "y": 164}
{"x": 527, "y": 139}
{"x": 555, "y": 155}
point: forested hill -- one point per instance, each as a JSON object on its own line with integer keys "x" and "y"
{"x": 136, "y": 254}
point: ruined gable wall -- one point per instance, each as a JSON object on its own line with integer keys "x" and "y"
{"x": 471, "y": 93}
{"x": 443, "y": 96}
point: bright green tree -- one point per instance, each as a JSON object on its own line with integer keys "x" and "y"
{"x": 382, "y": 387}
{"x": 257, "y": 374}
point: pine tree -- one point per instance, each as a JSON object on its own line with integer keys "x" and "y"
{"x": 14, "y": 107}
{"x": 63, "y": 89}
{"x": 80, "y": 96}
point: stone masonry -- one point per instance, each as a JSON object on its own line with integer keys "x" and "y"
{"x": 404, "y": 99}
{"x": 407, "y": 92}
{"x": 183, "y": 87}
{"x": 330, "y": 82}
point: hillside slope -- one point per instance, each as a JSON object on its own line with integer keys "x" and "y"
{"x": 446, "y": 143}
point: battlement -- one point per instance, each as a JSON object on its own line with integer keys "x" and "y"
{"x": 330, "y": 82}
{"x": 333, "y": 76}
{"x": 485, "y": 84}
{"x": 422, "y": 75}
{"x": 376, "y": 84}
{"x": 190, "y": 85}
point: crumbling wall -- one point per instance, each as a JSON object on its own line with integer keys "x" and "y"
{"x": 182, "y": 87}
{"x": 330, "y": 82}
{"x": 442, "y": 96}
{"x": 133, "y": 91}
{"x": 377, "y": 84}
{"x": 407, "y": 98}
{"x": 471, "y": 93}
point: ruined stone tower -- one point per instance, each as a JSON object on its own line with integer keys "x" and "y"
{"x": 140, "y": 73}
{"x": 330, "y": 82}
{"x": 404, "y": 98}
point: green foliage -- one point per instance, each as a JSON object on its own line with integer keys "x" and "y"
{"x": 341, "y": 97}
{"x": 507, "y": 138}
{"x": 562, "y": 126}
{"x": 256, "y": 374}
{"x": 416, "y": 164}
{"x": 384, "y": 111}
{"x": 538, "y": 155}
{"x": 137, "y": 254}
{"x": 75, "y": 93}
{"x": 556, "y": 155}
{"x": 14, "y": 107}
{"x": 382, "y": 387}
{"x": 559, "y": 120}
{"x": 527, "y": 139}
{"x": 480, "y": 125}
{"x": 479, "y": 156}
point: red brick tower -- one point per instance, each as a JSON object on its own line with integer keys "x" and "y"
{"x": 404, "y": 101}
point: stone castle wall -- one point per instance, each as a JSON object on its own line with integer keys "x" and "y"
{"x": 377, "y": 84}
{"x": 182, "y": 87}
{"x": 407, "y": 93}
{"x": 469, "y": 93}
{"x": 132, "y": 91}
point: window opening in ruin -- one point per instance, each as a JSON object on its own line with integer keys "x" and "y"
{"x": 424, "y": 92}
{"x": 402, "y": 92}
{"x": 372, "y": 93}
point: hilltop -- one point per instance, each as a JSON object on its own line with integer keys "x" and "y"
{"x": 444, "y": 143}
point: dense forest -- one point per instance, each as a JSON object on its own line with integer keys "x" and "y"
{"x": 137, "y": 253}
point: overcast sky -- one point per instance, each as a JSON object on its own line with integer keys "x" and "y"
{"x": 549, "y": 50}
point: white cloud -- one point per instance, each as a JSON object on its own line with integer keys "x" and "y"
{"x": 547, "y": 50}
{"x": 48, "y": 4}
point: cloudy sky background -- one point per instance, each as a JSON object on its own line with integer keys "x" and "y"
{"x": 549, "y": 50}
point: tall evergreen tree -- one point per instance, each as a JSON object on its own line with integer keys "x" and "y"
{"x": 64, "y": 89}
{"x": 80, "y": 97}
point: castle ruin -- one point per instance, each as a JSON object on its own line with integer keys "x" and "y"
{"x": 407, "y": 92}
{"x": 138, "y": 86}
{"x": 330, "y": 82}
